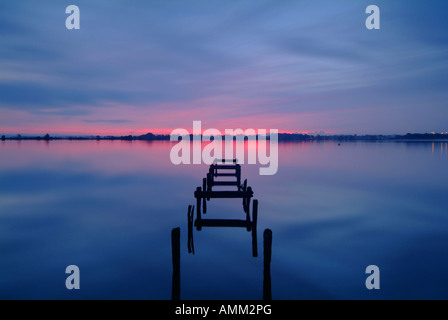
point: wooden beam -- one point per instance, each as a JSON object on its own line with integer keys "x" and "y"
{"x": 225, "y": 183}
{"x": 225, "y": 167}
{"x": 223, "y": 194}
{"x": 222, "y": 223}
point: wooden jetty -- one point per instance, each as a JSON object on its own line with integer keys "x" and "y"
{"x": 231, "y": 170}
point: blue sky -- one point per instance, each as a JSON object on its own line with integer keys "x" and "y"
{"x": 298, "y": 66}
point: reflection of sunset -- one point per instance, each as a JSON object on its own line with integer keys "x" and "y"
{"x": 99, "y": 199}
{"x": 120, "y": 157}
{"x": 107, "y": 156}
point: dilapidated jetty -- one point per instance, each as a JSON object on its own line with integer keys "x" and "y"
{"x": 230, "y": 170}
{"x": 223, "y": 181}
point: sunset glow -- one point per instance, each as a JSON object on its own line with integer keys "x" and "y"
{"x": 156, "y": 67}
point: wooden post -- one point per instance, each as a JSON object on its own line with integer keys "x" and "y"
{"x": 209, "y": 182}
{"x": 238, "y": 175}
{"x": 210, "y": 170}
{"x": 190, "y": 218}
{"x": 198, "y": 209}
{"x": 267, "y": 250}
{"x": 175, "y": 249}
{"x": 204, "y": 200}
{"x": 247, "y": 207}
{"x": 244, "y": 188}
{"x": 254, "y": 228}
{"x": 250, "y": 224}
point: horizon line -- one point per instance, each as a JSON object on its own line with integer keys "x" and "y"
{"x": 156, "y": 136}
{"x": 312, "y": 133}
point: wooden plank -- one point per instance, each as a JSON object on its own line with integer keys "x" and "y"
{"x": 222, "y": 194}
{"x": 225, "y": 167}
{"x": 225, "y": 183}
{"x": 222, "y": 223}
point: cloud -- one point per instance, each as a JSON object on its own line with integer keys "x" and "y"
{"x": 247, "y": 57}
{"x": 32, "y": 96}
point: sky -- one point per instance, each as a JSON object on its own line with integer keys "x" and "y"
{"x": 139, "y": 66}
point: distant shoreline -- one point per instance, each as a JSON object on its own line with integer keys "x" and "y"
{"x": 281, "y": 137}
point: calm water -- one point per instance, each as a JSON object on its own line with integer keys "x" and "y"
{"x": 109, "y": 207}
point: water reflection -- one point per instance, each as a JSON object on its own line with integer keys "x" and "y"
{"x": 443, "y": 148}
{"x": 108, "y": 207}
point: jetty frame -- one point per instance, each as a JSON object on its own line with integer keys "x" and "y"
{"x": 231, "y": 170}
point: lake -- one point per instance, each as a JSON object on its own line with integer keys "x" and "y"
{"x": 108, "y": 207}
